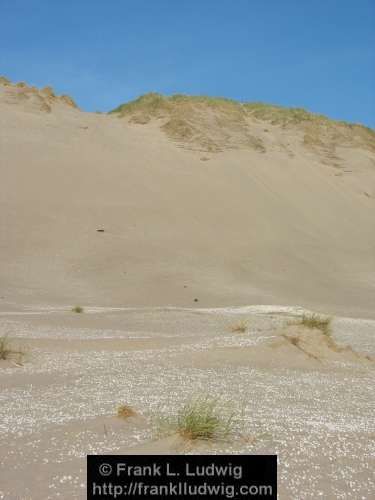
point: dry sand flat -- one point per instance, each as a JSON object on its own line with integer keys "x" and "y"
{"x": 194, "y": 198}
{"x": 315, "y": 412}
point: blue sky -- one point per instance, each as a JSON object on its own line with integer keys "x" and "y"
{"x": 315, "y": 54}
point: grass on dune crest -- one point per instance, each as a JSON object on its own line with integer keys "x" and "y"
{"x": 282, "y": 115}
{"x": 153, "y": 102}
{"x": 213, "y": 124}
{"x": 148, "y": 102}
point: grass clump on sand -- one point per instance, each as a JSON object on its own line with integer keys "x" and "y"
{"x": 7, "y": 352}
{"x": 77, "y": 309}
{"x": 202, "y": 419}
{"x": 321, "y": 323}
{"x": 240, "y": 327}
{"x": 125, "y": 411}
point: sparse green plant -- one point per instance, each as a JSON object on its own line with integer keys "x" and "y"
{"x": 321, "y": 323}
{"x": 7, "y": 351}
{"x": 126, "y": 411}
{"x": 78, "y": 309}
{"x": 4, "y": 347}
{"x": 202, "y": 418}
{"x": 239, "y": 327}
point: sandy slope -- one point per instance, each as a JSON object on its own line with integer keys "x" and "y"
{"x": 209, "y": 205}
{"x": 244, "y": 227}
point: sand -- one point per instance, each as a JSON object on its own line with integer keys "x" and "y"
{"x": 245, "y": 227}
{"x": 315, "y": 412}
{"x": 166, "y": 245}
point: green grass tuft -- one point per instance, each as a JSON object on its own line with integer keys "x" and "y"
{"x": 318, "y": 322}
{"x": 78, "y": 309}
{"x": 7, "y": 351}
{"x": 202, "y": 418}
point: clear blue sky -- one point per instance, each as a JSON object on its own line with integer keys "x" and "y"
{"x": 317, "y": 54}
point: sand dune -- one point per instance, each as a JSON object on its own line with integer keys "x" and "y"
{"x": 262, "y": 218}
{"x": 216, "y": 215}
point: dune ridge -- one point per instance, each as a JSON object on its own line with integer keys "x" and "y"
{"x": 214, "y": 124}
{"x": 32, "y": 98}
{"x": 179, "y": 250}
{"x": 258, "y": 205}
